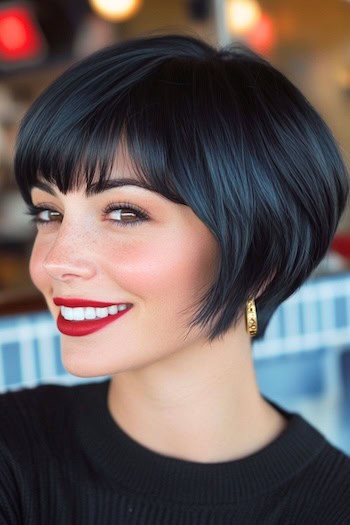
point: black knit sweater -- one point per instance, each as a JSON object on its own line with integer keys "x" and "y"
{"x": 63, "y": 460}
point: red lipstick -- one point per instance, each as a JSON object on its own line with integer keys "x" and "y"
{"x": 73, "y": 303}
{"x": 85, "y": 327}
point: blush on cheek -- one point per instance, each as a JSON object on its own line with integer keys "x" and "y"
{"x": 169, "y": 270}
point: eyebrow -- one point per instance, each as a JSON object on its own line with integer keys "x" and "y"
{"x": 99, "y": 187}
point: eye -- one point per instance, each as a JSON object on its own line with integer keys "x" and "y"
{"x": 125, "y": 214}
{"x": 43, "y": 216}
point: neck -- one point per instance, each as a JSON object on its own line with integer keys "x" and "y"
{"x": 202, "y": 406}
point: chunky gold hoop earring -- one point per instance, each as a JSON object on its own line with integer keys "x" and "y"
{"x": 251, "y": 318}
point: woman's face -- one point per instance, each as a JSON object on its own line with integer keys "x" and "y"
{"x": 129, "y": 247}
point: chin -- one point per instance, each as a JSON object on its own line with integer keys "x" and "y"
{"x": 84, "y": 358}
{"x": 83, "y": 368}
{"x": 80, "y": 360}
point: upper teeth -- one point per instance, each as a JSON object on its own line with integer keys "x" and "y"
{"x": 79, "y": 313}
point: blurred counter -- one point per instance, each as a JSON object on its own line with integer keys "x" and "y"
{"x": 21, "y": 300}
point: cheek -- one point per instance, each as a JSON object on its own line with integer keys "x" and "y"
{"x": 177, "y": 268}
{"x": 36, "y": 269}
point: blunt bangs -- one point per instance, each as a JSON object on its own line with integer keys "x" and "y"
{"x": 221, "y": 131}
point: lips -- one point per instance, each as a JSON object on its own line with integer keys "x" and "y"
{"x": 75, "y": 303}
{"x": 85, "y": 327}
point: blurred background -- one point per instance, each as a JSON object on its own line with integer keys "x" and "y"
{"x": 304, "y": 361}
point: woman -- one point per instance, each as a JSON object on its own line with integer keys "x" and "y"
{"x": 181, "y": 194}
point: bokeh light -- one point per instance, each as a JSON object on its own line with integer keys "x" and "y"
{"x": 116, "y": 10}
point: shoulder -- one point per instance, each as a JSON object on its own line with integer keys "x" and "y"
{"x": 29, "y": 403}
{"x": 335, "y": 468}
{"x": 38, "y": 439}
{"x": 30, "y": 397}
{"x": 331, "y": 465}
{"x": 33, "y": 419}
{"x": 332, "y": 477}
{"x": 317, "y": 486}
{"x": 322, "y": 488}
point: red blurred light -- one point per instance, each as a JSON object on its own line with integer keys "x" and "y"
{"x": 19, "y": 37}
{"x": 341, "y": 245}
{"x": 262, "y": 37}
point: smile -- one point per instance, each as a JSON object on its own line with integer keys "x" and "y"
{"x": 79, "y": 317}
{"x": 89, "y": 313}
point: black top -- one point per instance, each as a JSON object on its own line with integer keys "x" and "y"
{"x": 64, "y": 460}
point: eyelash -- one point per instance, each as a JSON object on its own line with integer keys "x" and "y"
{"x": 34, "y": 212}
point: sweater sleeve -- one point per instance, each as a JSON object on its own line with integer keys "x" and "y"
{"x": 10, "y": 506}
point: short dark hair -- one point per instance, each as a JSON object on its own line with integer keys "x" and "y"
{"x": 220, "y": 130}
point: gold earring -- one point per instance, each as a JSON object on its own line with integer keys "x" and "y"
{"x": 251, "y": 318}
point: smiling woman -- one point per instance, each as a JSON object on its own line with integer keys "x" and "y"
{"x": 127, "y": 246}
{"x": 181, "y": 193}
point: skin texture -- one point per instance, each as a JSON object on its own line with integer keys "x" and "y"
{"x": 171, "y": 389}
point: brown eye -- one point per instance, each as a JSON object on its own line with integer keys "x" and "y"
{"x": 49, "y": 216}
{"x": 125, "y": 215}
{"x": 43, "y": 216}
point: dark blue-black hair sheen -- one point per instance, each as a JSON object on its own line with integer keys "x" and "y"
{"x": 219, "y": 130}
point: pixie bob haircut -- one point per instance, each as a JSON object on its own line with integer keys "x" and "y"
{"x": 219, "y": 130}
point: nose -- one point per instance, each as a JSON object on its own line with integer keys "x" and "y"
{"x": 70, "y": 257}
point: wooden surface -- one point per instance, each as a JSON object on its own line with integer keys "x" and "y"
{"x": 21, "y": 300}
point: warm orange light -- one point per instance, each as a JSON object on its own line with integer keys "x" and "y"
{"x": 242, "y": 15}
{"x": 116, "y": 10}
{"x": 262, "y": 37}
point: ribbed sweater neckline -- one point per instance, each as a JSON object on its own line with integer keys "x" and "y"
{"x": 124, "y": 462}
